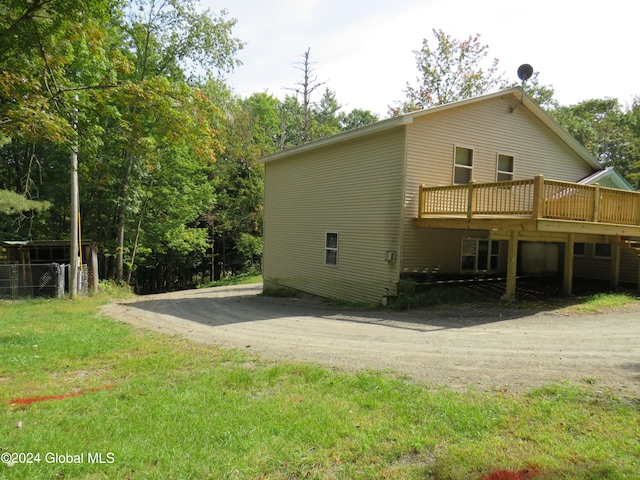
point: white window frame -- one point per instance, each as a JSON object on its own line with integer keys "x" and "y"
{"x": 457, "y": 165}
{"x": 500, "y": 172}
{"x": 605, "y": 257}
{"x": 331, "y": 249}
{"x": 584, "y": 249}
{"x": 474, "y": 252}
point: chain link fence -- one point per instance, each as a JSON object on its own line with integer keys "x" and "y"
{"x": 38, "y": 280}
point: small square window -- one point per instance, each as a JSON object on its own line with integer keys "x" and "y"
{"x": 579, "y": 249}
{"x": 331, "y": 249}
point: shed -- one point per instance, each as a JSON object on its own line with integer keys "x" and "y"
{"x": 34, "y": 252}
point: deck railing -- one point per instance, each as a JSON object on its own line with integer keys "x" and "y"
{"x": 536, "y": 198}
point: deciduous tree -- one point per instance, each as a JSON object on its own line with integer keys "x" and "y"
{"x": 452, "y": 70}
{"x": 607, "y": 130}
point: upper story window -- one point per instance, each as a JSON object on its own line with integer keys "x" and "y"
{"x": 505, "y": 168}
{"x": 331, "y": 249}
{"x": 463, "y": 166}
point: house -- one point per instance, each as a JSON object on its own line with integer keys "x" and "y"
{"x": 487, "y": 185}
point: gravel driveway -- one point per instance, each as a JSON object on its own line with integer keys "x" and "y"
{"x": 459, "y": 347}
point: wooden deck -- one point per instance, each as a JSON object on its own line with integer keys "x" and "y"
{"x": 537, "y": 210}
{"x": 536, "y": 204}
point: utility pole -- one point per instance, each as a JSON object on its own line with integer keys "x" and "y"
{"x": 75, "y": 213}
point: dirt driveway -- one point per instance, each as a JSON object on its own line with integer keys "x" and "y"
{"x": 458, "y": 347}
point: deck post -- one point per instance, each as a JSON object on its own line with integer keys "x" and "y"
{"x": 567, "y": 285}
{"x": 471, "y": 203}
{"x": 537, "y": 209}
{"x": 512, "y": 266}
{"x": 596, "y": 202}
{"x": 422, "y": 199}
{"x": 615, "y": 264}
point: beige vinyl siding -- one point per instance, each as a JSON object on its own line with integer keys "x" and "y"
{"x": 588, "y": 266}
{"x": 353, "y": 189}
{"x": 488, "y": 129}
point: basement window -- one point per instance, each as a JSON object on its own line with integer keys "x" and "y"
{"x": 331, "y": 249}
{"x": 463, "y": 166}
{"x": 601, "y": 250}
{"x": 479, "y": 255}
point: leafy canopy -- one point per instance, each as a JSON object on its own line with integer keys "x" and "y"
{"x": 451, "y": 70}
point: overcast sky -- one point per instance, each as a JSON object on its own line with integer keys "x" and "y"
{"x": 363, "y": 49}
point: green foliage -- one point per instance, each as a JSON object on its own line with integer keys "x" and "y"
{"x": 607, "y": 130}
{"x": 12, "y": 203}
{"x": 114, "y": 390}
{"x": 172, "y": 38}
{"x": 48, "y": 52}
{"x": 357, "y": 118}
{"x": 239, "y": 279}
{"x": 170, "y": 184}
{"x": 112, "y": 289}
{"x": 452, "y": 70}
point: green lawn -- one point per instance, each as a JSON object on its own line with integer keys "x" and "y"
{"x": 78, "y": 389}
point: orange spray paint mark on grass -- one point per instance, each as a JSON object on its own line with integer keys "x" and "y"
{"x": 525, "y": 474}
{"x": 30, "y": 400}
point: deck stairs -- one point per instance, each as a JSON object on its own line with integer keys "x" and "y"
{"x": 633, "y": 244}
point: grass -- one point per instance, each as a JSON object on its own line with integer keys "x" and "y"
{"x": 160, "y": 407}
{"x": 239, "y": 279}
{"x": 602, "y": 302}
{"x": 533, "y": 294}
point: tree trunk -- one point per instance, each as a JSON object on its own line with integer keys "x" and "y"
{"x": 122, "y": 216}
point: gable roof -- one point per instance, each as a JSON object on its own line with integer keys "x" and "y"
{"x": 521, "y": 99}
{"x": 609, "y": 174}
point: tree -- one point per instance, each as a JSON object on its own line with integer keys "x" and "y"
{"x": 633, "y": 122}
{"x": 14, "y": 207}
{"x": 305, "y": 88}
{"x": 172, "y": 38}
{"x": 325, "y": 117}
{"x": 41, "y": 44}
{"x": 12, "y": 203}
{"x": 357, "y": 118}
{"x": 164, "y": 40}
{"x": 234, "y": 213}
{"x": 264, "y": 121}
{"x": 606, "y": 130}
{"x": 451, "y": 71}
